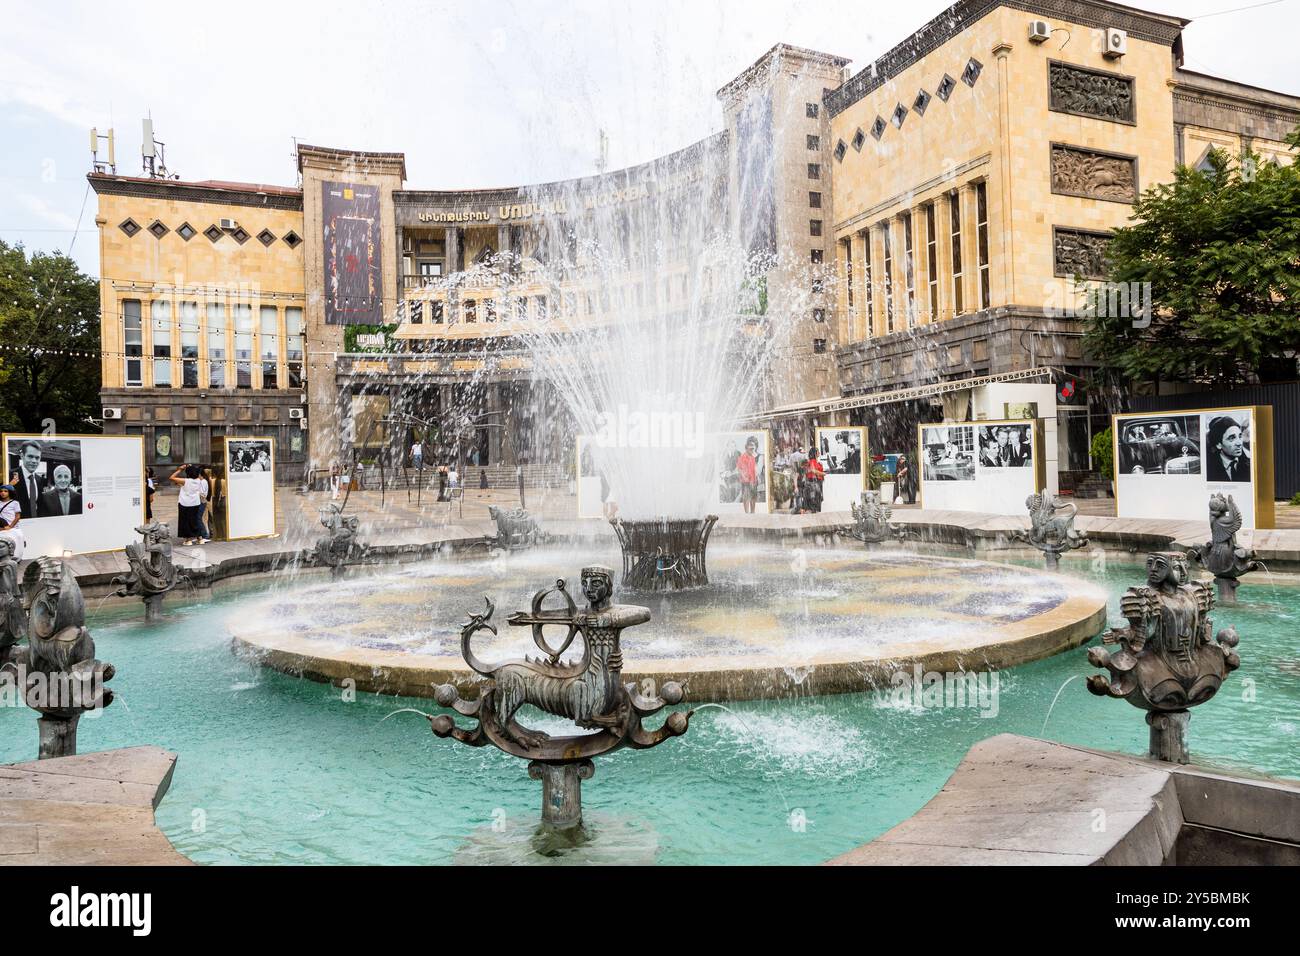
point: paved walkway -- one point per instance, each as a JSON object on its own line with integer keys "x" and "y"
{"x": 88, "y": 810}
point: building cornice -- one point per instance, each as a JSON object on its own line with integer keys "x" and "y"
{"x": 276, "y": 197}
{"x": 330, "y": 157}
{"x": 1139, "y": 24}
{"x": 779, "y": 53}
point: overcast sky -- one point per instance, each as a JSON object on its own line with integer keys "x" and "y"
{"x": 501, "y": 92}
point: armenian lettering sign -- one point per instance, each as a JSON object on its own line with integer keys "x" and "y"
{"x": 353, "y": 262}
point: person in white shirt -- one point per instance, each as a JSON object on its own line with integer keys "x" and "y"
{"x": 189, "y": 504}
{"x": 11, "y": 513}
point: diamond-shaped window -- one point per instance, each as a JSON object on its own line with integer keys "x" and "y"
{"x": 900, "y": 114}
{"x": 859, "y": 139}
{"x": 840, "y": 149}
{"x": 158, "y": 229}
{"x": 946, "y": 86}
{"x": 240, "y": 235}
{"x": 186, "y": 231}
{"x": 129, "y": 226}
{"x": 213, "y": 233}
{"x": 921, "y": 102}
{"x": 878, "y": 127}
{"x": 266, "y": 237}
{"x": 292, "y": 240}
{"x": 972, "y": 71}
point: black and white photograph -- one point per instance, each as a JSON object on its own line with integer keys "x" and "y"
{"x": 47, "y": 476}
{"x": 742, "y": 467}
{"x": 1227, "y": 445}
{"x": 840, "y": 450}
{"x": 1005, "y": 446}
{"x": 949, "y": 453}
{"x": 1160, "y": 445}
{"x": 249, "y": 456}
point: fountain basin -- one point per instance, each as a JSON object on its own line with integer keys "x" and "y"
{"x": 776, "y": 622}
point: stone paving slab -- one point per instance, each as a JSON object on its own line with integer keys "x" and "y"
{"x": 88, "y": 810}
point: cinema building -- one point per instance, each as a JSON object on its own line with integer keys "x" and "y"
{"x": 928, "y": 222}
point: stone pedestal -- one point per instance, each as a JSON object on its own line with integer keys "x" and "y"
{"x": 1052, "y": 560}
{"x": 1169, "y": 735}
{"x": 1227, "y": 588}
{"x": 562, "y": 791}
{"x": 152, "y": 608}
{"x": 58, "y": 736}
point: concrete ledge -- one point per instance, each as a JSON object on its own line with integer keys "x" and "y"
{"x": 89, "y": 810}
{"x": 1019, "y": 801}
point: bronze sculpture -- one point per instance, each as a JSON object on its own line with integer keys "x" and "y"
{"x": 152, "y": 572}
{"x": 1221, "y": 555}
{"x": 871, "y": 519}
{"x": 13, "y": 615}
{"x": 1051, "y": 528}
{"x": 339, "y": 546}
{"x": 1166, "y": 662}
{"x": 589, "y": 691}
{"x": 62, "y": 678}
{"x": 516, "y": 528}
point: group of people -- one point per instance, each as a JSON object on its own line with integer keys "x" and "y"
{"x": 806, "y": 478}
{"x": 1001, "y": 448}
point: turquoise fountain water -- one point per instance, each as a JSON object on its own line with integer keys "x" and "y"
{"x": 279, "y": 770}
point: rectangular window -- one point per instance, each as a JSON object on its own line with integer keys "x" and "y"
{"x": 814, "y": 200}
{"x": 814, "y": 170}
{"x": 819, "y": 346}
{"x": 161, "y": 311}
{"x": 889, "y": 280}
{"x": 294, "y": 345}
{"x": 909, "y": 271}
{"x": 812, "y": 109}
{"x": 270, "y": 340}
{"x": 471, "y": 310}
{"x": 815, "y": 255}
{"x": 162, "y": 444}
{"x": 931, "y": 262}
{"x": 814, "y": 227}
{"x": 982, "y": 240}
{"x": 189, "y": 322}
{"x": 848, "y": 272}
{"x": 243, "y": 345}
{"x": 819, "y": 316}
{"x": 954, "y": 218}
{"x": 190, "y": 439}
{"x": 814, "y": 142}
{"x": 216, "y": 345}
{"x": 868, "y": 293}
{"x": 133, "y": 341}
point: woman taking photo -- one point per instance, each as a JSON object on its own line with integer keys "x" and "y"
{"x": 189, "y": 504}
{"x": 10, "y": 514}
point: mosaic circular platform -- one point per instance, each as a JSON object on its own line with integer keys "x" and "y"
{"x": 774, "y": 621}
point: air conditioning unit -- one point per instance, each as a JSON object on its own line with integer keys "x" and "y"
{"x": 229, "y": 225}
{"x": 1116, "y": 43}
{"x": 1039, "y": 31}
{"x": 112, "y": 413}
{"x": 295, "y": 413}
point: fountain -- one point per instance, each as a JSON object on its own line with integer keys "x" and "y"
{"x": 61, "y": 679}
{"x": 1052, "y": 528}
{"x": 152, "y": 572}
{"x": 1221, "y": 555}
{"x": 340, "y": 546}
{"x": 590, "y": 692}
{"x": 664, "y": 554}
{"x": 516, "y": 529}
{"x": 1166, "y": 662}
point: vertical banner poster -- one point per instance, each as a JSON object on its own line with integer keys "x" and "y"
{"x": 988, "y": 466}
{"x": 353, "y": 262}
{"x": 742, "y": 460}
{"x": 250, "y": 488}
{"x": 78, "y": 493}
{"x": 842, "y": 451}
{"x": 1169, "y": 464}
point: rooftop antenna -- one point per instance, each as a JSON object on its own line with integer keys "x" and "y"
{"x": 602, "y": 158}
{"x": 153, "y": 153}
{"x": 102, "y": 167}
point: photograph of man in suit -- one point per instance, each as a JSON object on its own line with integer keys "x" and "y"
{"x": 60, "y": 500}
{"x": 31, "y": 483}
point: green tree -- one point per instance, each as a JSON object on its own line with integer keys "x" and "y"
{"x": 1220, "y": 250}
{"x": 49, "y": 342}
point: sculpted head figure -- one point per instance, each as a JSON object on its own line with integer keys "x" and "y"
{"x": 597, "y": 584}
{"x": 1167, "y": 569}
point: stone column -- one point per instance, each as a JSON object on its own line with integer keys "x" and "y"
{"x": 562, "y": 791}
{"x": 970, "y": 252}
{"x": 1002, "y": 51}
{"x": 921, "y": 265}
{"x": 503, "y": 239}
{"x": 451, "y": 250}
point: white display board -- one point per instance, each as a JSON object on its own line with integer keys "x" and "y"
{"x": 1169, "y": 464}
{"x": 250, "y": 487}
{"x": 744, "y": 477}
{"x": 842, "y": 452}
{"x": 989, "y": 466}
{"x": 636, "y": 481}
{"x": 78, "y": 493}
